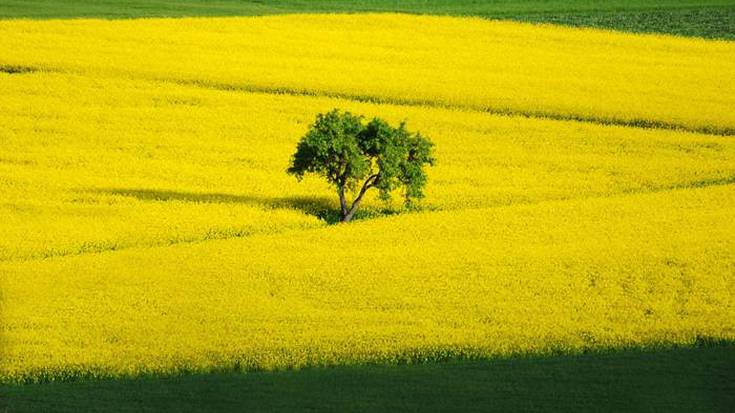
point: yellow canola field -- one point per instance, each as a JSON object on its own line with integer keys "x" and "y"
{"x": 148, "y": 224}
{"x": 561, "y": 275}
{"x": 467, "y": 62}
{"x": 96, "y": 164}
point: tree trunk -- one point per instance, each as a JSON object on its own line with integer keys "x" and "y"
{"x": 342, "y": 203}
{"x": 347, "y": 215}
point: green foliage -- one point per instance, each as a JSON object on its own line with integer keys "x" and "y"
{"x": 352, "y": 154}
{"x": 704, "y": 18}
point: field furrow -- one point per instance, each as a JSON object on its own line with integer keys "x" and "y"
{"x": 643, "y": 269}
{"x": 501, "y": 67}
{"x": 119, "y": 163}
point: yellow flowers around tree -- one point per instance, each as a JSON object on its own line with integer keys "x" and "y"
{"x": 582, "y": 197}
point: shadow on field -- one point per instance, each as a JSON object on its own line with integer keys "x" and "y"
{"x": 678, "y": 379}
{"x": 320, "y": 207}
{"x": 16, "y": 70}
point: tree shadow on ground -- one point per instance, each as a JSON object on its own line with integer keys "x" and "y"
{"x": 16, "y": 70}
{"x": 664, "y": 380}
{"x": 323, "y": 208}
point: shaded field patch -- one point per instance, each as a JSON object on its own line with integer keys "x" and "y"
{"x": 15, "y": 69}
{"x": 319, "y": 207}
{"x": 682, "y": 379}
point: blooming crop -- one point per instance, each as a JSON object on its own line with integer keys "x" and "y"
{"x": 148, "y": 223}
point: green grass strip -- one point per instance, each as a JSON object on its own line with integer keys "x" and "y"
{"x": 703, "y": 18}
{"x": 679, "y": 379}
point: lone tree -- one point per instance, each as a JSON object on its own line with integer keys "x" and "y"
{"x": 352, "y": 154}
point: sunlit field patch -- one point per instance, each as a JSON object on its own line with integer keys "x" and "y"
{"x": 107, "y": 163}
{"x": 582, "y": 197}
{"x": 559, "y": 276}
{"x": 497, "y": 66}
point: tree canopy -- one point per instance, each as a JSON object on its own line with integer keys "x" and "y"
{"x": 354, "y": 156}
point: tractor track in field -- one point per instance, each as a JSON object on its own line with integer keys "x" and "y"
{"x": 380, "y": 100}
{"x": 491, "y": 110}
{"x": 91, "y": 249}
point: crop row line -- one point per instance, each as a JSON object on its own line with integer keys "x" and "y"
{"x": 209, "y": 236}
{"x": 499, "y": 111}
{"x": 382, "y": 100}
